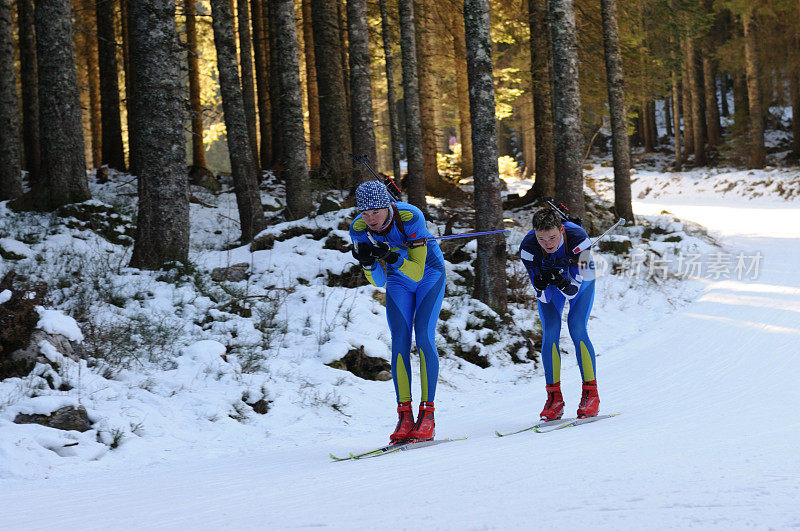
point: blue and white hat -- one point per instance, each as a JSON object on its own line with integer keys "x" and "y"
{"x": 372, "y": 195}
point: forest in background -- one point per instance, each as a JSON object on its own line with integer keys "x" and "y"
{"x": 433, "y": 92}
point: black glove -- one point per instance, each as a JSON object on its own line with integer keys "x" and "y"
{"x": 542, "y": 280}
{"x": 364, "y": 254}
{"x": 564, "y": 285}
{"x": 548, "y": 266}
{"x": 382, "y": 251}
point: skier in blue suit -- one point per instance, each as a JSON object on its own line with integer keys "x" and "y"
{"x": 560, "y": 267}
{"x": 394, "y": 234}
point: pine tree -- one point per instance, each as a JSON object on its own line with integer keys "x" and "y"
{"x": 757, "y": 155}
{"x": 315, "y": 148}
{"x": 616, "y": 105}
{"x": 567, "y": 135}
{"x": 295, "y": 166}
{"x": 261, "y": 53}
{"x": 248, "y": 87}
{"x": 10, "y": 171}
{"x": 63, "y": 171}
{"x": 243, "y": 166}
{"x": 545, "y": 183}
{"x": 415, "y": 178}
{"x": 391, "y": 92}
{"x": 195, "y": 106}
{"x": 336, "y": 164}
{"x": 362, "y": 121}
{"x": 162, "y": 228}
{"x": 30, "y": 93}
{"x": 490, "y": 277}
{"x": 111, "y": 126}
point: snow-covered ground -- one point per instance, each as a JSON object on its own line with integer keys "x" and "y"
{"x": 705, "y": 389}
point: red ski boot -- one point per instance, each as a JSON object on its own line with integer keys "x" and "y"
{"x": 590, "y": 402}
{"x": 424, "y": 429}
{"x": 554, "y": 407}
{"x": 404, "y": 424}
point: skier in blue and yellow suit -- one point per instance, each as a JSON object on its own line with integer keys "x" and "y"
{"x": 556, "y": 255}
{"x": 414, "y": 276}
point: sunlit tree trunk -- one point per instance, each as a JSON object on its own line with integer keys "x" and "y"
{"x": 315, "y": 149}
{"x": 362, "y": 122}
{"x": 243, "y": 166}
{"x": 111, "y": 126}
{"x": 61, "y": 134}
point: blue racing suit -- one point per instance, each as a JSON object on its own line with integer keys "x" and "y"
{"x": 579, "y": 269}
{"x": 414, "y": 293}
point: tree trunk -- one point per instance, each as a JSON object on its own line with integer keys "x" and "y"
{"x": 616, "y": 106}
{"x": 794, "y": 84}
{"x": 62, "y": 148}
{"x": 342, "y": 23}
{"x": 243, "y": 166}
{"x": 647, "y": 127}
{"x": 362, "y": 120}
{"x": 295, "y": 167}
{"x": 525, "y": 123}
{"x": 676, "y": 121}
{"x": 567, "y": 135}
{"x": 261, "y": 52}
{"x": 162, "y": 231}
{"x": 86, "y": 49}
{"x": 668, "y": 116}
{"x": 274, "y": 83}
{"x": 315, "y": 149}
{"x": 196, "y": 108}
{"x": 10, "y": 170}
{"x": 688, "y": 126}
{"x": 248, "y": 87}
{"x": 723, "y": 95}
{"x": 490, "y": 268}
{"x": 112, "y": 151}
{"x": 428, "y": 92}
{"x": 415, "y": 179}
{"x": 741, "y": 114}
{"x": 757, "y": 155}
{"x": 130, "y": 87}
{"x": 696, "y": 87}
{"x": 30, "y": 95}
{"x": 391, "y": 95}
{"x": 334, "y": 120}
{"x": 545, "y": 184}
{"x": 712, "y": 109}
{"x": 462, "y": 92}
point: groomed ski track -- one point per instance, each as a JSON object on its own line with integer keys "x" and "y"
{"x": 707, "y": 437}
